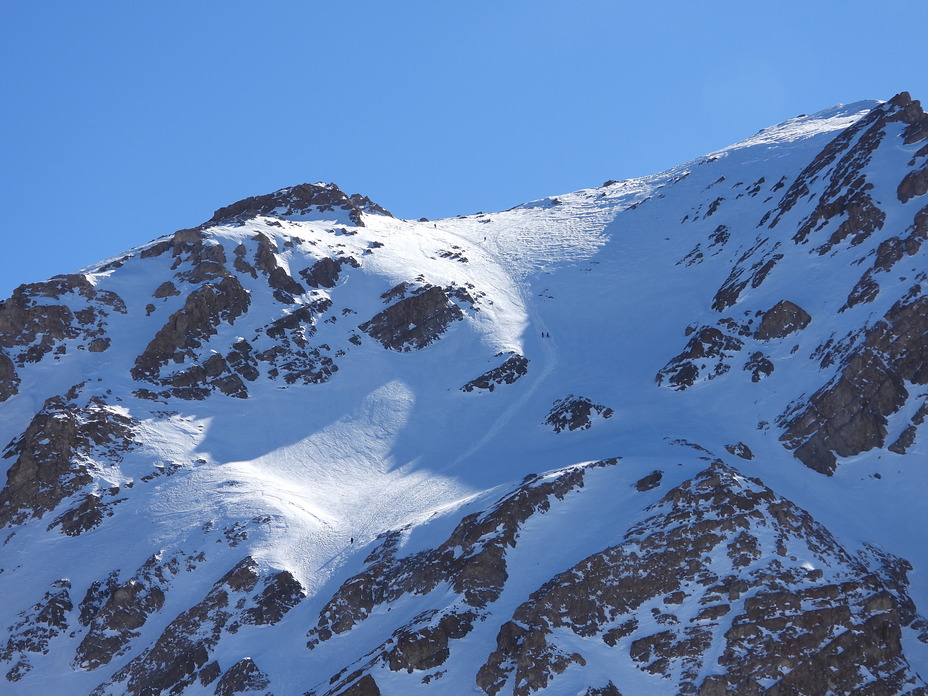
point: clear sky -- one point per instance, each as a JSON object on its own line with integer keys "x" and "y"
{"x": 123, "y": 121}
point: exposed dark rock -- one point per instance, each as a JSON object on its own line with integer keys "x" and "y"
{"x": 609, "y": 689}
{"x": 186, "y": 330}
{"x": 241, "y": 678}
{"x": 96, "y": 596}
{"x": 866, "y": 290}
{"x": 53, "y": 453}
{"x": 324, "y": 273}
{"x": 472, "y": 561}
{"x": 9, "y": 380}
{"x": 575, "y": 413}
{"x": 781, "y": 320}
{"x": 782, "y": 638}
{"x": 414, "y": 322}
{"x": 241, "y": 360}
{"x": 36, "y": 628}
{"x": 32, "y": 323}
{"x": 293, "y": 356}
{"x": 183, "y": 648}
{"x": 99, "y": 344}
{"x": 298, "y": 201}
{"x": 210, "y": 673}
{"x": 281, "y": 282}
{"x": 117, "y": 622}
{"x": 888, "y": 254}
{"x": 281, "y": 593}
{"x": 752, "y": 268}
{"x": 739, "y": 449}
{"x": 913, "y": 184}
{"x": 427, "y": 647}
{"x": 115, "y": 611}
{"x": 86, "y": 516}
{"x": 512, "y": 369}
{"x": 849, "y": 415}
{"x": 649, "y": 482}
{"x": 759, "y": 365}
{"x": 365, "y": 686}
{"x": 166, "y": 289}
{"x": 842, "y": 161}
{"x": 905, "y": 440}
{"x": 706, "y": 356}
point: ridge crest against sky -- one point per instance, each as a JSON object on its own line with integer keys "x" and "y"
{"x": 124, "y": 123}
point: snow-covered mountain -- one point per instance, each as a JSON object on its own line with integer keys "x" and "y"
{"x": 662, "y": 436}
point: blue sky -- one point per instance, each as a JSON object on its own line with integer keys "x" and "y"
{"x": 124, "y": 121}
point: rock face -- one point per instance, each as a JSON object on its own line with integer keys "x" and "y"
{"x": 575, "y": 413}
{"x": 243, "y": 677}
{"x": 298, "y": 201}
{"x": 472, "y": 562}
{"x": 36, "y": 628}
{"x": 186, "y": 330}
{"x": 43, "y": 319}
{"x": 324, "y": 272}
{"x": 180, "y": 656}
{"x": 657, "y": 599}
{"x": 781, "y": 320}
{"x": 705, "y": 357}
{"x": 849, "y": 415}
{"x": 414, "y": 322}
{"x": 511, "y": 370}
{"x": 52, "y": 455}
{"x": 237, "y": 465}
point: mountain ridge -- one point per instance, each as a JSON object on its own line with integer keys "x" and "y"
{"x": 386, "y": 442}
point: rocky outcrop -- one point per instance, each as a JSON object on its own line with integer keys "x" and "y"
{"x": 706, "y": 356}
{"x": 292, "y": 356}
{"x": 324, "y": 273}
{"x": 751, "y": 269}
{"x": 719, "y": 550}
{"x": 166, "y": 289}
{"x": 185, "y": 331}
{"x": 242, "y": 678}
{"x": 889, "y": 252}
{"x": 781, "y": 320}
{"x": 182, "y": 650}
{"x": 281, "y": 593}
{"x": 281, "y": 282}
{"x": 36, "y": 628}
{"x": 472, "y": 562}
{"x": 365, "y": 686}
{"x": 114, "y": 611}
{"x": 649, "y": 482}
{"x": 42, "y": 319}
{"x": 87, "y": 515}
{"x": 56, "y": 453}
{"x": 512, "y": 369}
{"x": 913, "y": 184}
{"x": 298, "y": 201}
{"x": 849, "y": 415}
{"x": 414, "y": 322}
{"x": 739, "y": 449}
{"x": 759, "y": 365}
{"x": 575, "y": 413}
{"x": 9, "y": 380}
{"x": 846, "y": 194}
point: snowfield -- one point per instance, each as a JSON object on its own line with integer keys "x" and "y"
{"x": 311, "y": 472}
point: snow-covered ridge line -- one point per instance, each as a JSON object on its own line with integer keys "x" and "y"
{"x": 306, "y": 447}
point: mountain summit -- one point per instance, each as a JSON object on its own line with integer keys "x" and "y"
{"x": 666, "y": 435}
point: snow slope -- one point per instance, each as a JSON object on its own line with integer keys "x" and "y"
{"x": 282, "y": 388}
